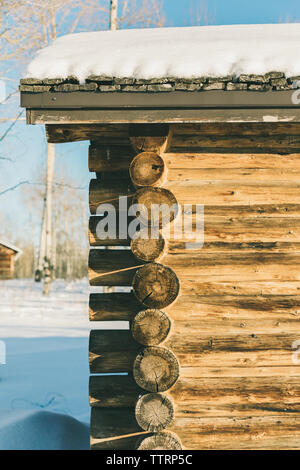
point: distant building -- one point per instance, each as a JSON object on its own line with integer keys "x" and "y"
{"x": 8, "y": 255}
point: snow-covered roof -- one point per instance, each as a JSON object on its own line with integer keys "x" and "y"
{"x": 10, "y": 246}
{"x": 172, "y": 52}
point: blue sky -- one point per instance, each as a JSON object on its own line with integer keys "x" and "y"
{"x": 26, "y": 144}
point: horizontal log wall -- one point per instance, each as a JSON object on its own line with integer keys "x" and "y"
{"x": 232, "y": 329}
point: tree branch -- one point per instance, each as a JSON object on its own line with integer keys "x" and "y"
{"x": 11, "y": 126}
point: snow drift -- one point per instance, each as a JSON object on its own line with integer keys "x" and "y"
{"x": 41, "y": 430}
{"x": 172, "y": 52}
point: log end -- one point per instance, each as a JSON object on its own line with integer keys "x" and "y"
{"x": 150, "y": 327}
{"x": 147, "y": 169}
{"x": 154, "y": 412}
{"x": 155, "y": 285}
{"x": 160, "y": 441}
{"x": 156, "y": 369}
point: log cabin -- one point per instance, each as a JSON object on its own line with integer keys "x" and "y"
{"x": 8, "y": 255}
{"x": 209, "y": 359}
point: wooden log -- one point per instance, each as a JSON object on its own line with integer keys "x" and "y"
{"x": 233, "y": 192}
{"x": 191, "y": 164}
{"x": 113, "y": 306}
{"x": 108, "y": 354}
{"x": 120, "y": 391}
{"x": 234, "y": 161}
{"x": 147, "y": 246}
{"x": 112, "y": 267}
{"x": 155, "y": 369}
{"x": 154, "y": 412}
{"x": 220, "y": 233}
{"x": 210, "y": 193}
{"x": 108, "y": 192}
{"x": 206, "y": 353}
{"x": 273, "y": 143}
{"x": 155, "y": 285}
{"x": 158, "y": 206}
{"x": 149, "y": 137}
{"x": 160, "y": 441}
{"x": 206, "y": 396}
{"x": 236, "y": 128}
{"x": 103, "y": 134}
{"x": 254, "y": 210}
{"x": 147, "y": 169}
{"x": 113, "y": 429}
{"x": 110, "y": 158}
{"x": 150, "y": 327}
{"x": 243, "y": 175}
{"x": 252, "y": 206}
{"x": 118, "y": 429}
{"x": 237, "y": 313}
{"x": 96, "y": 238}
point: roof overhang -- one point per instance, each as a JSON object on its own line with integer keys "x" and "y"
{"x": 176, "y": 106}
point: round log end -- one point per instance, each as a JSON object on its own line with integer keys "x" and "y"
{"x": 155, "y": 285}
{"x": 150, "y": 327}
{"x": 154, "y": 412}
{"x": 161, "y": 441}
{"x": 156, "y": 369}
{"x": 159, "y": 206}
{"x": 147, "y": 246}
{"x": 147, "y": 169}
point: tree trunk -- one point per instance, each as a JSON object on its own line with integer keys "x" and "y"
{"x": 42, "y": 247}
{"x": 49, "y": 182}
{"x": 113, "y": 14}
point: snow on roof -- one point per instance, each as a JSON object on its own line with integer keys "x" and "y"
{"x": 172, "y": 52}
{"x": 10, "y": 246}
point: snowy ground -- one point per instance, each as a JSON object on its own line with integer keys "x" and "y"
{"x": 46, "y": 368}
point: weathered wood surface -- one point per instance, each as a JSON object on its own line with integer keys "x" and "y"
{"x": 147, "y": 169}
{"x": 240, "y": 306}
{"x": 233, "y": 327}
{"x": 115, "y": 351}
{"x": 110, "y": 158}
{"x": 136, "y": 116}
{"x": 246, "y": 136}
{"x": 227, "y": 233}
{"x": 149, "y": 138}
{"x": 118, "y": 267}
{"x": 103, "y": 134}
{"x": 118, "y": 429}
{"x": 150, "y": 327}
{"x": 209, "y": 193}
{"x": 206, "y": 396}
{"x": 154, "y": 412}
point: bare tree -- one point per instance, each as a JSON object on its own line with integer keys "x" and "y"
{"x": 113, "y": 24}
{"x": 48, "y": 209}
{"x": 27, "y": 25}
{"x": 200, "y": 14}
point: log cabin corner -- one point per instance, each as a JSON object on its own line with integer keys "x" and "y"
{"x": 208, "y": 356}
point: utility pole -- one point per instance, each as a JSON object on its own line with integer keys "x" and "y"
{"x": 48, "y": 250}
{"x": 113, "y": 24}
